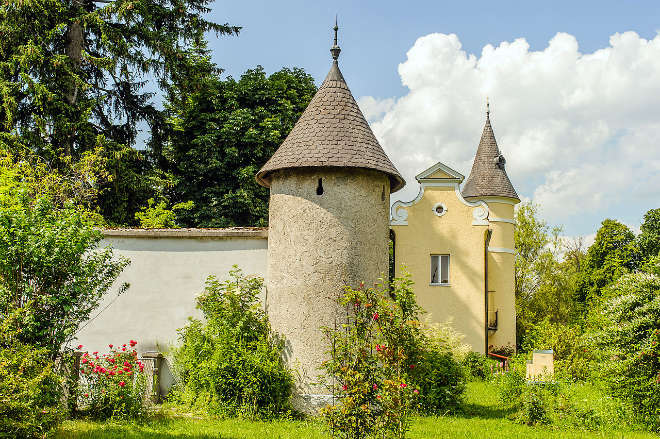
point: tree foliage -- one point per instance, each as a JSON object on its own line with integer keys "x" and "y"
{"x": 543, "y": 283}
{"x": 51, "y": 266}
{"x": 613, "y": 253}
{"x": 631, "y": 337}
{"x": 81, "y": 74}
{"x": 220, "y": 132}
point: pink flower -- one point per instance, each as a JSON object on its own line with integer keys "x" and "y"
{"x": 84, "y": 360}
{"x": 344, "y": 387}
{"x": 375, "y": 386}
{"x": 416, "y": 392}
{"x": 122, "y": 384}
{"x": 86, "y": 395}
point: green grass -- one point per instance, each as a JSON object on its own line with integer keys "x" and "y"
{"x": 482, "y": 417}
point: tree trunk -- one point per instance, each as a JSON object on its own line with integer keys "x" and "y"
{"x": 73, "y": 49}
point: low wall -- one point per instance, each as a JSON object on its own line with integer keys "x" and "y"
{"x": 167, "y": 271}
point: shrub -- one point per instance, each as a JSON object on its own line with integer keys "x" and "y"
{"x": 30, "y": 401}
{"x": 112, "y": 386}
{"x": 441, "y": 381}
{"x": 478, "y": 366}
{"x": 573, "y": 351}
{"x": 371, "y": 359}
{"x": 632, "y": 338}
{"x": 51, "y": 267}
{"x": 384, "y": 365}
{"x": 231, "y": 364}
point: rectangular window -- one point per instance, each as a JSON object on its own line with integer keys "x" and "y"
{"x": 440, "y": 269}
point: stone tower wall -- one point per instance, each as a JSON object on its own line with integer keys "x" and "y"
{"x": 317, "y": 244}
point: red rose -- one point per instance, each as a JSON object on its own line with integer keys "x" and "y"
{"x": 122, "y": 384}
{"x": 344, "y": 387}
{"x": 375, "y": 316}
{"x": 86, "y": 395}
{"x": 95, "y": 353}
{"x": 403, "y": 385}
{"x": 132, "y": 343}
{"x": 84, "y": 360}
{"x": 80, "y": 346}
{"x": 375, "y": 387}
{"x": 412, "y": 366}
{"x": 110, "y": 346}
{"x": 119, "y": 372}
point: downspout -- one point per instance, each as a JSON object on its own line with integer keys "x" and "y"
{"x": 488, "y": 234}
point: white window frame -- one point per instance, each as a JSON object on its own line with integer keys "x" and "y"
{"x": 437, "y": 265}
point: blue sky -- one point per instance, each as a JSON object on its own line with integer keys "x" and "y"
{"x": 386, "y": 44}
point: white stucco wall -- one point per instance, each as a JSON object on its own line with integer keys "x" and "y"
{"x": 167, "y": 271}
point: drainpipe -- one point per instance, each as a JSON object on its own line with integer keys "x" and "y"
{"x": 488, "y": 234}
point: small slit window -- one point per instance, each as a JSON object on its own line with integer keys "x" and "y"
{"x": 440, "y": 269}
{"x": 319, "y": 188}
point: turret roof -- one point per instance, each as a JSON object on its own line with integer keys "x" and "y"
{"x": 488, "y": 177}
{"x": 332, "y": 132}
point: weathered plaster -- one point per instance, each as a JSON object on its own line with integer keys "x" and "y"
{"x": 318, "y": 244}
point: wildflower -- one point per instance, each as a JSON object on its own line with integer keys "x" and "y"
{"x": 375, "y": 316}
{"x": 375, "y": 387}
{"x": 416, "y": 392}
{"x": 122, "y": 384}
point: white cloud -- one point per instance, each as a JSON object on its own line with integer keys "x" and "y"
{"x": 581, "y": 132}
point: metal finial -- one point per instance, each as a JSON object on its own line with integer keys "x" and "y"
{"x": 487, "y": 107}
{"x": 335, "y": 50}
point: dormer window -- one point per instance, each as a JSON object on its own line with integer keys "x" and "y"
{"x": 439, "y": 269}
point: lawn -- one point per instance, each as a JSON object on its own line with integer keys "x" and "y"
{"x": 482, "y": 417}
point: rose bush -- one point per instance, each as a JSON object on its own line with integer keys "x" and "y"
{"x": 112, "y": 385}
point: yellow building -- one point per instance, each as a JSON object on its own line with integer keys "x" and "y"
{"x": 458, "y": 246}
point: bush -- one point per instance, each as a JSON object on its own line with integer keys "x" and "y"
{"x": 384, "y": 365}
{"x": 30, "y": 401}
{"x": 478, "y": 366}
{"x": 112, "y": 386}
{"x": 441, "y": 382}
{"x": 573, "y": 351}
{"x": 632, "y": 339}
{"x": 231, "y": 364}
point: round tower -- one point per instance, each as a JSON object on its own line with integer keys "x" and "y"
{"x": 330, "y": 183}
{"x": 489, "y": 182}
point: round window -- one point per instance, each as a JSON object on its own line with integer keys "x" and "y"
{"x": 439, "y": 209}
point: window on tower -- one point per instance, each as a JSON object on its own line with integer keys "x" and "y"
{"x": 440, "y": 269}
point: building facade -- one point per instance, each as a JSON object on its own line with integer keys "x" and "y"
{"x": 458, "y": 246}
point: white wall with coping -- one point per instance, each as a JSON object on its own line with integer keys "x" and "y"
{"x": 168, "y": 270}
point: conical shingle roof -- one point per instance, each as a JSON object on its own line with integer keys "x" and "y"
{"x": 488, "y": 177}
{"x": 332, "y": 132}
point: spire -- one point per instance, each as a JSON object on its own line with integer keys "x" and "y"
{"x": 332, "y": 132}
{"x": 335, "y": 49}
{"x": 488, "y": 177}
